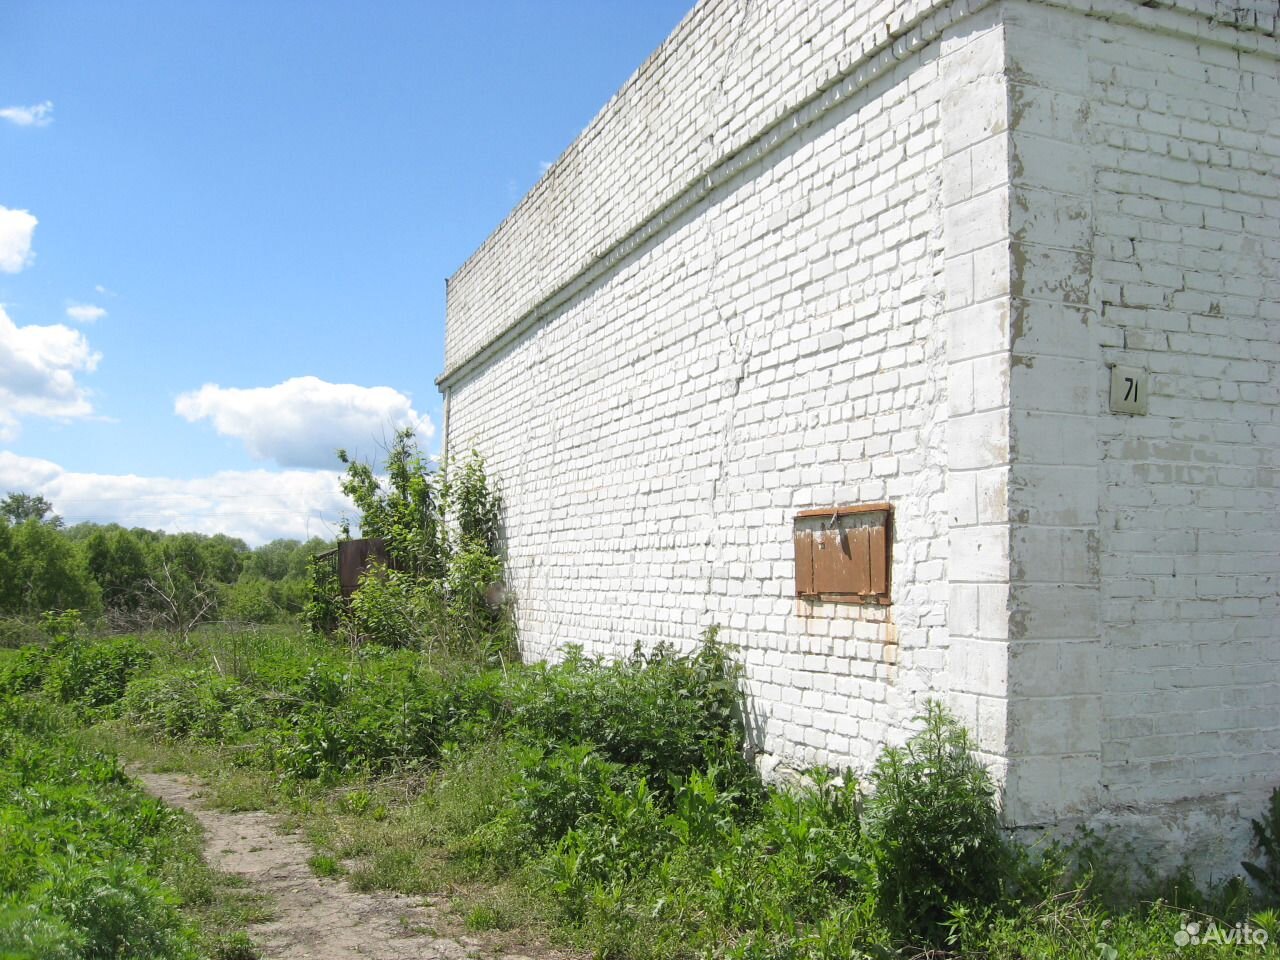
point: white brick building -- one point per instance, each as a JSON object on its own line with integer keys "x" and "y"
{"x": 828, "y": 253}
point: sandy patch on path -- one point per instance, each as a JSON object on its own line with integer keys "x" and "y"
{"x": 315, "y": 918}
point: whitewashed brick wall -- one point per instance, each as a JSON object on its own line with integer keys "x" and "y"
{"x": 837, "y": 252}
{"x": 730, "y": 72}
{"x": 777, "y": 347}
{"x": 1147, "y": 549}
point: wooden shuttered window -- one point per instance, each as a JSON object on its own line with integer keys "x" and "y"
{"x": 843, "y": 554}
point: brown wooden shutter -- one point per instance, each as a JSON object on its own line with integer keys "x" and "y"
{"x": 803, "y": 540}
{"x": 878, "y": 557}
{"x": 840, "y": 563}
{"x": 843, "y": 553}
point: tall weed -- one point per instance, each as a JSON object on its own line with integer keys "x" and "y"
{"x": 932, "y": 832}
{"x": 1266, "y": 835}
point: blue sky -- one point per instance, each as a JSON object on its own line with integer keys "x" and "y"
{"x": 225, "y": 228}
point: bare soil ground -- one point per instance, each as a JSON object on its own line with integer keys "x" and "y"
{"x": 315, "y": 918}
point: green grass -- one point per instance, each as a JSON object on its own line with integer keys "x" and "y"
{"x": 324, "y": 865}
{"x": 606, "y": 805}
{"x": 92, "y": 867}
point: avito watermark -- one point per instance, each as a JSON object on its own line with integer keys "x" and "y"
{"x": 1237, "y": 935}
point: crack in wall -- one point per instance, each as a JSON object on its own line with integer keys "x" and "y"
{"x": 735, "y": 368}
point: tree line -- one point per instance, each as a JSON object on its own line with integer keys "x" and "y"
{"x": 139, "y": 578}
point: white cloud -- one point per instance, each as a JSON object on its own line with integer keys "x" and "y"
{"x": 301, "y": 422}
{"x": 38, "y": 367}
{"x": 256, "y": 505}
{"x": 85, "y": 312}
{"x": 16, "y": 228}
{"x": 38, "y": 115}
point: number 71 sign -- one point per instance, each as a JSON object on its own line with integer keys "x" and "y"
{"x": 1128, "y": 390}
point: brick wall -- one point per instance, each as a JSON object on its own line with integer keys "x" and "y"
{"x": 1145, "y": 662}
{"x": 845, "y": 252}
{"x": 727, "y": 84}
{"x": 780, "y": 345}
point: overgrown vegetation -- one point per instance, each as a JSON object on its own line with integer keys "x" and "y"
{"x": 607, "y": 800}
{"x": 1266, "y": 834}
{"x": 139, "y": 579}
{"x": 90, "y": 867}
{"x": 442, "y": 591}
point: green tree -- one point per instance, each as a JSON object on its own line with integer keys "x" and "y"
{"x": 180, "y": 587}
{"x": 223, "y": 557}
{"x": 299, "y": 563}
{"x": 251, "y": 600}
{"x": 407, "y": 509}
{"x": 442, "y": 532}
{"x": 279, "y": 560}
{"x": 20, "y": 507}
{"x": 117, "y": 561}
{"x": 10, "y": 594}
{"x": 49, "y": 572}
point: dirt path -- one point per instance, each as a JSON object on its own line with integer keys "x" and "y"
{"x": 315, "y": 918}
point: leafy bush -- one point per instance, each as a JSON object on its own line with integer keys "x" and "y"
{"x": 72, "y": 669}
{"x": 32, "y": 933}
{"x": 18, "y": 632}
{"x": 25, "y": 672}
{"x": 95, "y": 674}
{"x": 665, "y": 714}
{"x": 608, "y": 852}
{"x": 810, "y": 839}
{"x": 192, "y": 704}
{"x": 82, "y": 851}
{"x": 254, "y": 599}
{"x": 558, "y": 789}
{"x": 118, "y": 906}
{"x": 932, "y": 831}
{"x": 324, "y": 597}
{"x": 443, "y": 590}
{"x": 617, "y": 791}
{"x": 394, "y": 608}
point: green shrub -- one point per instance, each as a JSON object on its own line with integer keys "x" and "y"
{"x": 257, "y": 600}
{"x": 95, "y": 674}
{"x": 74, "y": 669}
{"x": 380, "y": 712}
{"x": 119, "y": 907}
{"x": 394, "y": 609}
{"x": 665, "y": 714}
{"x": 31, "y": 933}
{"x": 617, "y": 792}
{"x": 323, "y": 601}
{"x": 192, "y": 704}
{"x": 17, "y": 632}
{"x": 558, "y": 789}
{"x": 82, "y": 851}
{"x": 806, "y": 846}
{"x": 932, "y": 831}
{"x": 25, "y": 672}
{"x": 441, "y": 531}
{"x": 474, "y": 618}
